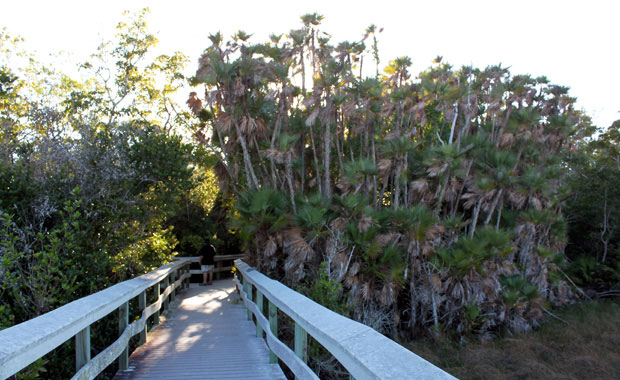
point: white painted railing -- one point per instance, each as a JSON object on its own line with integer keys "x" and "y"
{"x": 365, "y": 353}
{"x": 22, "y": 344}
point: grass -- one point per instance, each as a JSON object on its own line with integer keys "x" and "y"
{"x": 587, "y": 348}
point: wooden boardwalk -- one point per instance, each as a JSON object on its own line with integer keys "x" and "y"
{"x": 207, "y": 336}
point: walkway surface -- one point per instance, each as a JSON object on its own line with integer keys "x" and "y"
{"x": 207, "y": 336}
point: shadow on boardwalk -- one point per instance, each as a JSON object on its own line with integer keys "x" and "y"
{"x": 207, "y": 336}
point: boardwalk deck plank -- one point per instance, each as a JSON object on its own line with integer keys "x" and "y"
{"x": 206, "y": 337}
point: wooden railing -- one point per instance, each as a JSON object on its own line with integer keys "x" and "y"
{"x": 365, "y": 353}
{"x": 219, "y": 263}
{"x": 22, "y": 344}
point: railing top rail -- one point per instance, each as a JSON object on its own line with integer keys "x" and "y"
{"x": 195, "y": 259}
{"x": 22, "y": 344}
{"x": 364, "y": 352}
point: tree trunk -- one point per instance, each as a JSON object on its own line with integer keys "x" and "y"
{"x": 250, "y": 174}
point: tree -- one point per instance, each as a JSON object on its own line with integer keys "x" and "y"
{"x": 465, "y": 156}
{"x": 592, "y": 211}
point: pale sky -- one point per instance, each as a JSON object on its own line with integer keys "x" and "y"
{"x": 573, "y": 43}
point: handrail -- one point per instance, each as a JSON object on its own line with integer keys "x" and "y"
{"x": 28, "y": 341}
{"x": 364, "y": 352}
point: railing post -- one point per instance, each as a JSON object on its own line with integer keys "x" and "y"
{"x": 189, "y": 278}
{"x": 273, "y": 326}
{"x": 259, "y": 303}
{"x": 142, "y": 306}
{"x": 248, "y": 293}
{"x": 82, "y": 348}
{"x": 173, "y": 279}
{"x": 301, "y": 343}
{"x": 166, "y": 284}
{"x": 123, "y": 322}
{"x": 157, "y": 294}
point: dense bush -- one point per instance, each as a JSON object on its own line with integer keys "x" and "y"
{"x": 593, "y": 213}
{"x": 421, "y": 196}
{"x": 96, "y": 180}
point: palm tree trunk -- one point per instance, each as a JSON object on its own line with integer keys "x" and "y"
{"x": 317, "y": 175}
{"x": 499, "y": 214}
{"x": 289, "y": 179}
{"x": 433, "y": 299}
{"x": 374, "y": 177}
{"x": 327, "y": 152}
{"x": 250, "y": 174}
{"x": 444, "y": 186}
{"x": 456, "y": 114}
{"x": 456, "y": 206}
{"x": 493, "y": 205}
{"x": 474, "y": 218}
{"x": 397, "y": 187}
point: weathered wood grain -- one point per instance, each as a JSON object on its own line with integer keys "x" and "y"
{"x": 207, "y": 336}
{"x": 364, "y": 352}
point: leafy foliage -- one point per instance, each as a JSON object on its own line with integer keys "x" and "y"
{"x": 420, "y": 195}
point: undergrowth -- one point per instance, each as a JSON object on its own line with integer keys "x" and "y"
{"x": 584, "y": 346}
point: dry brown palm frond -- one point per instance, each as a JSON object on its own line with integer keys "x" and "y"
{"x": 420, "y": 185}
{"x": 344, "y": 186}
{"x": 470, "y": 200}
{"x": 339, "y": 264}
{"x": 517, "y": 199}
{"x": 435, "y": 231}
{"x": 224, "y": 123}
{"x": 427, "y": 249}
{"x": 457, "y": 292}
{"x": 354, "y": 268}
{"x": 436, "y": 283}
{"x": 338, "y": 224}
{"x": 244, "y": 126}
{"x": 270, "y": 248}
{"x": 298, "y": 252}
{"x": 348, "y": 108}
{"x": 194, "y": 103}
{"x": 490, "y": 288}
{"x": 384, "y": 166}
{"x": 365, "y": 223}
{"x": 420, "y": 112}
{"x": 352, "y": 281}
{"x": 436, "y": 169}
{"x": 452, "y": 189}
{"x": 388, "y": 238}
{"x": 535, "y": 311}
{"x": 506, "y": 140}
{"x": 200, "y": 136}
{"x": 274, "y": 154}
{"x": 331, "y": 247}
{"x": 387, "y": 295}
{"x": 536, "y": 203}
{"x": 391, "y": 135}
{"x": 387, "y": 109}
{"x": 261, "y": 128}
{"x": 238, "y": 87}
{"x": 366, "y": 291}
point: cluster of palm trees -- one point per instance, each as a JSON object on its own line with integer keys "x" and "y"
{"x": 434, "y": 201}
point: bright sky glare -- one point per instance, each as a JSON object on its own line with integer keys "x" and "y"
{"x": 573, "y": 43}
